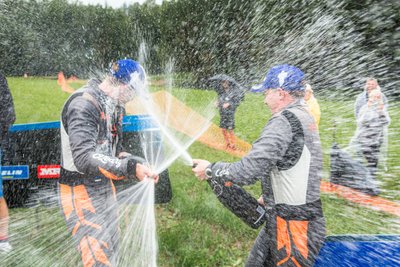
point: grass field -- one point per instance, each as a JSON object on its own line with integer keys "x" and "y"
{"x": 194, "y": 229}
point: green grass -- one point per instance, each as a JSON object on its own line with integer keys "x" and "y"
{"x": 194, "y": 229}
{"x": 37, "y": 99}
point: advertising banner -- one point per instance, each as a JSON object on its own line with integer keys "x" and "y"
{"x": 31, "y": 166}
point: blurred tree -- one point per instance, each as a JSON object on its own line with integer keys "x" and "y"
{"x": 335, "y": 42}
{"x": 378, "y": 22}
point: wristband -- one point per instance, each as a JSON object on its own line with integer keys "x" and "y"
{"x": 131, "y": 167}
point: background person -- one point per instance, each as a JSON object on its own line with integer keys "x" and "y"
{"x": 371, "y": 133}
{"x": 7, "y": 118}
{"x": 362, "y": 98}
{"x": 92, "y": 157}
{"x": 287, "y": 158}
{"x": 312, "y": 104}
{"x": 227, "y": 103}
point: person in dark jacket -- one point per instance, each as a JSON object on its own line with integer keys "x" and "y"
{"x": 92, "y": 157}
{"x": 227, "y": 103}
{"x": 7, "y": 118}
{"x": 287, "y": 158}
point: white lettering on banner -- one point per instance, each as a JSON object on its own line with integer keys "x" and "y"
{"x": 51, "y": 171}
{"x": 12, "y": 173}
{"x": 48, "y": 171}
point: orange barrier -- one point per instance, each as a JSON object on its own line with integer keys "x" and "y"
{"x": 61, "y": 81}
{"x": 374, "y": 202}
{"x": 187, "y": 121}
{"x": 64, "y": 83}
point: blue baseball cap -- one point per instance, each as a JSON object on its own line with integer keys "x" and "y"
{"x": 128, "y": 71}
{"x": 284, "y": 76}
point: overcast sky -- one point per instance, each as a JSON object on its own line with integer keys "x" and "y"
{"x": 112, "y": 3}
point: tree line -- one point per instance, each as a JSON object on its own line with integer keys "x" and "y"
{"x": 337, "y": 43}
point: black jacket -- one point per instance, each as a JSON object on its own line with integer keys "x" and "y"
{"x": 7, "y": 112}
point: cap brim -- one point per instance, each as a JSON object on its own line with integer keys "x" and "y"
{"x": 259, "y": 88}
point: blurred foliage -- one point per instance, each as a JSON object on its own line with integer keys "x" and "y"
{"x": 335, "y": 42}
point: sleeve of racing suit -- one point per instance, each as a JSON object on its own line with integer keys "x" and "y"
{"x": 83, "y": 121}
{"x": 270, "y": 147}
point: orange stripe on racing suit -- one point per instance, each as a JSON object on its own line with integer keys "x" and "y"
{"x": 76, "y": 199}
{"x": 82, "y": 202}
{"x": 95, "y": 241}
{"x": 92, "y": 249}
{"x": 299, "y": 229}
{"x": 295, "y": 262}
{"x": 76, "y": 227}
{"x": 282, "y": 238}
{"x": 110, "y": 175}
{"x": 88, "y": 260}
{"x": 292, "y": 233}
{"x": 66, "y": 200}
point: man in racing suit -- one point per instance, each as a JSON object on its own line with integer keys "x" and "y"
{"x": 92, "y": 157}
{"x": 287, "y": 158}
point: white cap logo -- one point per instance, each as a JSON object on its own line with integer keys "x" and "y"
{"x": 138, "y": 80}
{"x": 282, "y": 76}
{"x": 135, "y": 77}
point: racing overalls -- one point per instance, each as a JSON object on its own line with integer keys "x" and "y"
{"x": 91, "y": 136}
{"x": 287, "y": 158}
